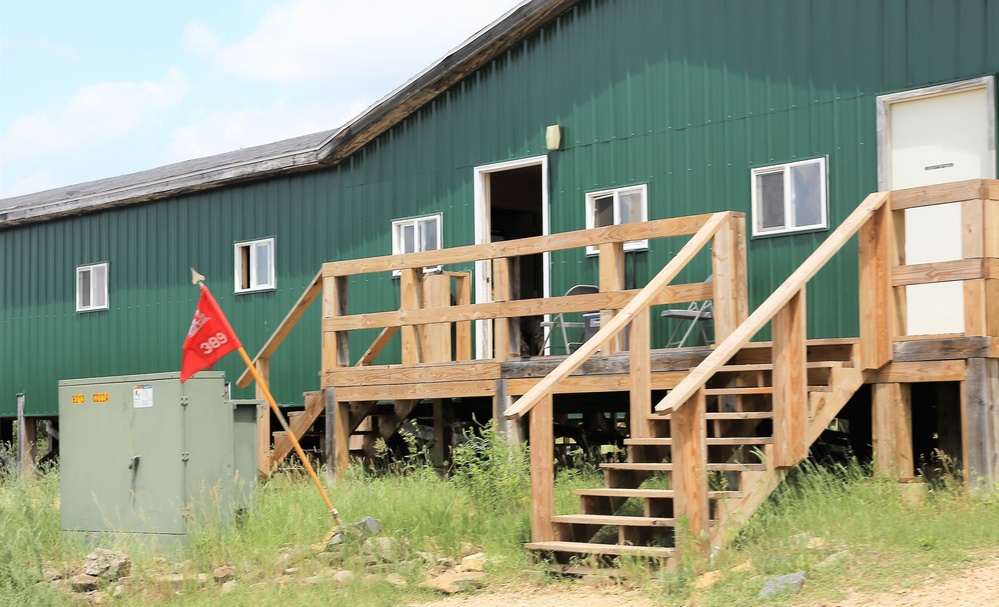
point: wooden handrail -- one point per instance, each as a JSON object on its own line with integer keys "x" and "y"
{"x": 773, "y": 304}
{"x": 659, "y": 228}
{"x": 313, "y": 289}
{"x": 639, "y": 303}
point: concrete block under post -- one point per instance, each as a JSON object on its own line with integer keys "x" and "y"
{"x": 980, "y": 421}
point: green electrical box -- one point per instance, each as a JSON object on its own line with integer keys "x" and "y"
{"x": 144, "y": 455}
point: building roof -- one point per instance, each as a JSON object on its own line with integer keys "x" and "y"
{"x": 318, "y": 150}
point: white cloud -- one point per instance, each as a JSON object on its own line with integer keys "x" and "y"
{"x": 308, "y": 40}
{"x": 200, "y": 39}
{"x": 92, "y": 116}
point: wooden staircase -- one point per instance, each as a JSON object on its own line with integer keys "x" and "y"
{"x": 634, "y": 514}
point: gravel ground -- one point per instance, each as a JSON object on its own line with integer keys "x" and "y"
{"x": 976, "y": 587}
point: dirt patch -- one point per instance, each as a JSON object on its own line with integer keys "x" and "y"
{"x": 976, "y": 587}
{"x": 580, "y": 596}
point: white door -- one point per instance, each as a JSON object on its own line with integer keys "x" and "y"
{"x": 937, "y": 136}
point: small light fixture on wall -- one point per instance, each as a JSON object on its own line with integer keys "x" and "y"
{"x": 553, "y": 137}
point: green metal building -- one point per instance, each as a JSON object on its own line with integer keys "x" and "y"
{"x": 668, "y": 106}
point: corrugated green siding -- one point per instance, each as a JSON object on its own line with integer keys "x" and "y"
{"x": 686, "y": 96}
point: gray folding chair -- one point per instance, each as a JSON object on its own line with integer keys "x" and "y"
{"x": 698, "y": 314}
{"x": 559, "y": 321}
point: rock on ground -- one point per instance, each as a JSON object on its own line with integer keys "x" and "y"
{"x": 786, "y": 583}
{"x": 107, "y": 564}
{"x": 451, "y": 583}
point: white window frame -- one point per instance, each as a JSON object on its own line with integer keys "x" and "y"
{"x": 257, "y": 283}
{"x": 94, "y": 289}
{"x": 591, "y": 197}
{"x": 790, "y": 223}
{"x": 399, "y": 224}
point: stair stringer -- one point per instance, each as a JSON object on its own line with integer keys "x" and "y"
{"x": 756, "y": 487}
{"x": 299, "y": 425}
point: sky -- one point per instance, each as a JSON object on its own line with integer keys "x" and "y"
{"x": 101, "y": 88}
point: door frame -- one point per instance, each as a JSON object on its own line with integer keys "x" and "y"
{"x": 884, "y": 103}
{"x": 482, "y": 235}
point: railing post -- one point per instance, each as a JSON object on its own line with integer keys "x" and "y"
{"x": 542, "y": 470}
{"x": 980, "y": 240}
{"x": 790, "y": 382}
{"x": 688, "y": 431}
{"x": 336, "y": 351}
{"x": 437, "y": 337}
{"x": 263, "y": 420}
{"x": 877, "y": 257}
{"x": 729, "y": 277}
{"x": 612, "y": 279}
{"x": 411, "y": 298}
{"x": 502, "y": 327}
{"x": 463, "y": 330}
{"x": 641, "y": 376}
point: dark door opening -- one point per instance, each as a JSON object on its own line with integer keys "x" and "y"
{"x": 515, "y": 201}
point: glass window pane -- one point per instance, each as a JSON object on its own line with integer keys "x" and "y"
{"x": 99, "y": 281}
{"x": 603, "y": 211}
{"x": 262, "y": 264}
{"x": 806, "y": 194}
{"x": 83, "y": 288}
{"x": 631, "y": 207}
{"x": 770, "y": 196}
{"x": 408, "y": 238}
{"x": 430, "y": 235}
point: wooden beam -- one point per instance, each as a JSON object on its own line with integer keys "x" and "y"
{"x": 501, "y": 289}
{"x": 875, "y": 258}
{"x": 411, "y": 294}
{"x": 660, "y": 228}
{"x": 402, "y": 374}
{"x": 790, "y": 287}
{"x": 891, "y": 412}
{"x": 452, "y": 389}
{"x": 542, "y": 471}
{"x": 688, "y": 431}
{"x": 463, "y": 330}
{"x": 639, "y": 303}
{"x": 924, "y": 196}
{"x": 588, "y": 384}
{"x": 923, "y": 371}
{"x": 980, "y": 417}
{"x": 26, "y": 437}
{"x": 286, "y": 325}
{"x": 950, "y": 348}
{"x": 640, "y": 374}
{"x": 729, "y": 275}
{"x": 939, "y": 271}
{"x": 612, "y": 279}
{"x": 519, "y": 308}
{"x": 263, "y": 420}
{"x": 377, "y": 346}
{"x": 790, "y": 383}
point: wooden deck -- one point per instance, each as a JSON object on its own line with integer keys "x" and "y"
{"x": 711, "y": 431}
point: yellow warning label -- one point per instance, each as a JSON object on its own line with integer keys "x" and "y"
{"x": 101, "y": 397}
{"x": 78, "y": 399}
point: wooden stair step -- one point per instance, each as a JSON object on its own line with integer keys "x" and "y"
{"x": 735, "y": 440}
{"x": 609, "y": 519}
{"x": 743, "y": 390}
{"x": 609, "y": 549}
{"x": 812, "y": 364}
{"x": 668, "y": 466}
{"x": 649, "y": 493}
{"x": 664, "y": 416}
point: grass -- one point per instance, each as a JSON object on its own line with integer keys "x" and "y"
{"x": 834, "y": 523}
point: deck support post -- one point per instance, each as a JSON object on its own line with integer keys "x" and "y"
{"x": 439, "y": 451}
{"x": 340, "y": 436}
{"x": 790, "y": 382}
{"x": 980, "y": 424}
{"x": 877, "y": 255}
{"x": 512, "y": 429}
{"x": 891, "y": 416}
{"x": 26, "y": 435}
{"x": 329, "y": 431}
{"x": 729, "y": 277}
{"x": 688, "y": 431}
{"x": 641, "y": 377}
{"x": 264, "y": 464}
{"x": 612, "y": 279}
{"x": 542, "y": 470}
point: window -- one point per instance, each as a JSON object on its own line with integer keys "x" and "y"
{"x": 416, "y": 235}
{"x": 789, "y": 197}
{"x": 92, "y": 287}
{"x": 254, "y": 265}
{"x": 614, "y": 207}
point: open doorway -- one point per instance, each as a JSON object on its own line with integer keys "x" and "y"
{"x": 511, "y": 202}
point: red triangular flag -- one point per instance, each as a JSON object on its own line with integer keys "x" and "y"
{"x": 209, "y": 338}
